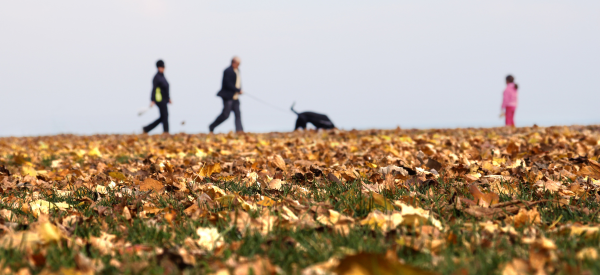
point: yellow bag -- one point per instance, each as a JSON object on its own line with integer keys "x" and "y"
{"x": 158, "y": 95}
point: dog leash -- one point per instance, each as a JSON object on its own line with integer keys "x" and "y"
{"x": 266, "y": 103}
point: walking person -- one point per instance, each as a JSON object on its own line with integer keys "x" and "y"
{"x": 160, "y": 96}
{"x": 231, "y": 89}
{"x": 509, "y": 102}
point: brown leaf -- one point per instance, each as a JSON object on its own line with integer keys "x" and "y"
{"x": 208, "y": 170}
{"x": 516, "y": 267}
{"x": 150, "y": 184}
{"x": 275, "y": 184}
{"x": 279, "y": 162}
{"x": 375, "y": 264}
{"x": 333, "y": 178}
{"x": 433, "y": 164}
{"x": 525, "y": 217}
{"x": 483, "y": 200}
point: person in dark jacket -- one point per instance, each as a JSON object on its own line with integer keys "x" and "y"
{"x": 160, "y": 96}
{"x": 231, "y": 89}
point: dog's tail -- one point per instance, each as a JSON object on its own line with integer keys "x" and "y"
{"x": 293, "y": 108}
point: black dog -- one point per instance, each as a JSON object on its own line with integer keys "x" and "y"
{"x": 318, "y": 120}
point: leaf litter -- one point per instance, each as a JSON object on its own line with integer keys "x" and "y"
{"x": 459, "y": 201}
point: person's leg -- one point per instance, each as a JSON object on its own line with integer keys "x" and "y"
{"x": 238, "y": 116}
{"x": 510, "y": 112}
{"x": 153, "y": 125}
{"x": 512, "y": 116}
{"x": 164, "y": 116}
{"x": 227, "y": 105}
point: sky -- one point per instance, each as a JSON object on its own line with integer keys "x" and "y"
{"x": 86, "y": 67}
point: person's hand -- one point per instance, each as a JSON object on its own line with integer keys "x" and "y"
{"x": 170, "y": 101}
{"x": 151, "y": 104}
{"x": 241, "y": 92}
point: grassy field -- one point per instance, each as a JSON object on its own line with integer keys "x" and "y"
{"x": 460, "y": 201}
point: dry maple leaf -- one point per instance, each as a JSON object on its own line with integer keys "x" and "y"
{"x": 278, "y": 162}
{"x": 208, "y": 170}
{"x": 483, "y": 199}
{"x": 150, "y": 184}
{"x": 416, "y": 216}
{"x": 375, "y": 264}
{"x": 385, "y": 222}
{"x": 525, "y": 217}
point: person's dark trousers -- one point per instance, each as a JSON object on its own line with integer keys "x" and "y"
{"x": 228, "y": 106}
{"x": 164, "y": 118}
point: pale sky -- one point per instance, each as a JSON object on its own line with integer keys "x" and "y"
{"x": 86, "y": 67}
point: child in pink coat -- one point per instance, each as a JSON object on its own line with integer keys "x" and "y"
{"x": 509, "y": 103}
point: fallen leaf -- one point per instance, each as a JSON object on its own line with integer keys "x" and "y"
{"x": 483, "y": 200}
{"x": 374, "y": 264}
{"x": 209, "y": 238}
{"x": 208, "y": 170}
{"x": 275, "y": 184}
{"x": 150, "y": 184}
{"x": 279, "y": 162}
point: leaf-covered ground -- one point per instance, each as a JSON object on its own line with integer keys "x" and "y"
{"x": 461, "y": 201}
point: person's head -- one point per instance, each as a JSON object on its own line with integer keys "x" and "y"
{"x": 235, "y": 62}
{"x": 160, "y": 65}
{"x": 510, "y": 79}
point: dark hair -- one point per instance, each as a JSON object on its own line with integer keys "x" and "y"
{"x": 510, "y": 79}
{"x": 160, "y": 64}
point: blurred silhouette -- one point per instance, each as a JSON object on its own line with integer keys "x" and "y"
{"x": 509, "y": 101}
{"x": 231, "y": 89}
{"x": 320, "y": 121}
{"x": 160, "y": 96}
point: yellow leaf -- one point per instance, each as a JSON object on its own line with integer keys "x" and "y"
{"x": 200, "y": 153}
{"x": 95, "y": 152}
{"x": 48, "y": 232}
{"x": 43, "y": 207}
{"x": 416, "y": 216}
{"x": 371, "y": 165}
{"x": 117, "y": 175}
{"x": 226, "y": 200}
{"x": 380, "y": 202}
{"x": 266, "y": 202}
{"x": 208, "y": 170}
{"x": 28, "y": 171}
{"x": 23, "y": 239}
{"x": 385, "y": 222}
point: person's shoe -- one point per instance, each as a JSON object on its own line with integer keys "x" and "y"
{"x": 211, "y": 130}
{"x": 144, "y": 131}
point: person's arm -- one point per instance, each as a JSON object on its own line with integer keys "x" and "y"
{"x": 153, "y": 96}
{"x": 153, "y": 92}
{"x": 167, "y": 92}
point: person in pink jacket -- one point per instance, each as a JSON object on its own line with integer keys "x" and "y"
{"x": 509, "y": 103}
